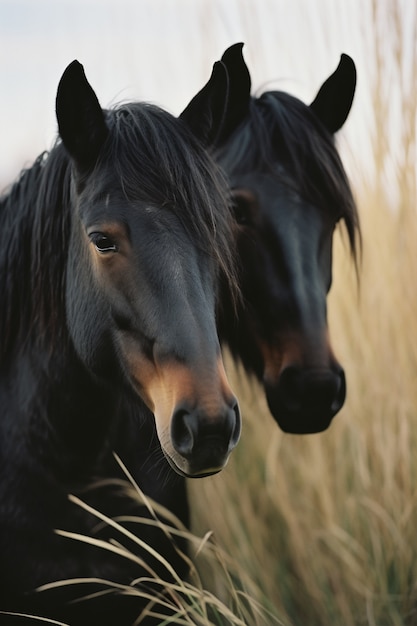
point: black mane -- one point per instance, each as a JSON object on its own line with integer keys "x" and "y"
{"x": 34, "y": 223}
{"x": 155, "y": 159}
{"x": 283, "y": 136}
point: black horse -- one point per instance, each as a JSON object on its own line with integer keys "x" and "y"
{"x": 290, "y": 190}
{"x": 112, "y": 249}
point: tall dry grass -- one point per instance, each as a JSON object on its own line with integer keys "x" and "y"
{"x": 326, "y": 525}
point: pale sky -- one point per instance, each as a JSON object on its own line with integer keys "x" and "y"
{"x": 162, "y": 51}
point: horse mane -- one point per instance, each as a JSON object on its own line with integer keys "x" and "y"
{"x": 281, "y": 135}
{"x": 34, "y": 222}
{"x": 155, "y": 159}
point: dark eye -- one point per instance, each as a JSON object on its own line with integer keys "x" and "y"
{"x": 241, "y": 210}
{"x": 103, "y": 243}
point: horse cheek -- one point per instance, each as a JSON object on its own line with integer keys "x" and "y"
{"x": 87, "y": 315}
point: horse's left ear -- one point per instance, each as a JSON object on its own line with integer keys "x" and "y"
{"x": 334, "y": 98}
{"x": 81, "y": 122}
{"x": 206, "y": 113}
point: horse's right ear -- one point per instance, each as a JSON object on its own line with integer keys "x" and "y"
{"x": 239, "y": 88}
{"x": 334, "y": 98}
{"x": 206, "y": 113}
{"x": 81, "y": 122}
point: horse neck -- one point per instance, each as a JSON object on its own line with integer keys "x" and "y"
{"x": 55, "y": 414}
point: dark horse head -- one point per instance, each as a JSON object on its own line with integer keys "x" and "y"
{"x": 131, "y": 239}
{"x": 112, "y": 249}
{"x": 289, "y": 192}
{"x": 146, "y": 250}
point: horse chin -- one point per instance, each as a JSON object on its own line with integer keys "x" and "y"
{"x": 307, "y": 425}
{"x": 187, "y": 469}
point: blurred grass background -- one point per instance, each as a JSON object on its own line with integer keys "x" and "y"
{"x": 322, "y": 529}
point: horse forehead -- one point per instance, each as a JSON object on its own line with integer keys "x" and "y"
{"x": 162, "y": 246}
{"x": 279, "y": 204}
{"x": 139, "y": 216}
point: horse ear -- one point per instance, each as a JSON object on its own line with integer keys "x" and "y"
{"x": 334, "y": 98}
{"x": 81, "y": 122}
{"x": 205, "y": 114}
{"x": 239, "y": 88}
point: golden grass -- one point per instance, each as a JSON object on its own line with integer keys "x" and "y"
{"x": 172, "y": 600}
{"x": 326, "y": 524}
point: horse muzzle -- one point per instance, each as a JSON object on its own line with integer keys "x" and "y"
{"x": 305, "y": 400}
{"x": 200, "y": 444}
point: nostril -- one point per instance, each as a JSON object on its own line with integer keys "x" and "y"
{"x": 192, "y": 431}
{"x": 182, "y": 435}
{"x": 290, "y": 384}
{"x": 312, "y": 389}
{"x": 321, "y": 389}
{"x": 340, "y": 395}
{"x": 236, "y": 425}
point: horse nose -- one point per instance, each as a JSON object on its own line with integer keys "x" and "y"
{"x": 306, "y": 400}
{"x": 205, "y": 441}
{"x": 319, "y": 389}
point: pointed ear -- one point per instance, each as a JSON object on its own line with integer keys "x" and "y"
{"x": 205, "y": 114}
{"x": 334, "y": 99}
{"x": 239, "y": 88}
{"x": 81, "y": 122}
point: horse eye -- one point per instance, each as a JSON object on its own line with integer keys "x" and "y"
{"x": 103, "y": 243}
{"x": 241, "y": 210}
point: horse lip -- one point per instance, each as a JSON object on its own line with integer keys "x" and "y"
{"x": 206, "y": 473}
{"x": 193, "y": 470}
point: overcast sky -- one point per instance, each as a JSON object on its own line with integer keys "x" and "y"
{"x": 162, "y": 51}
